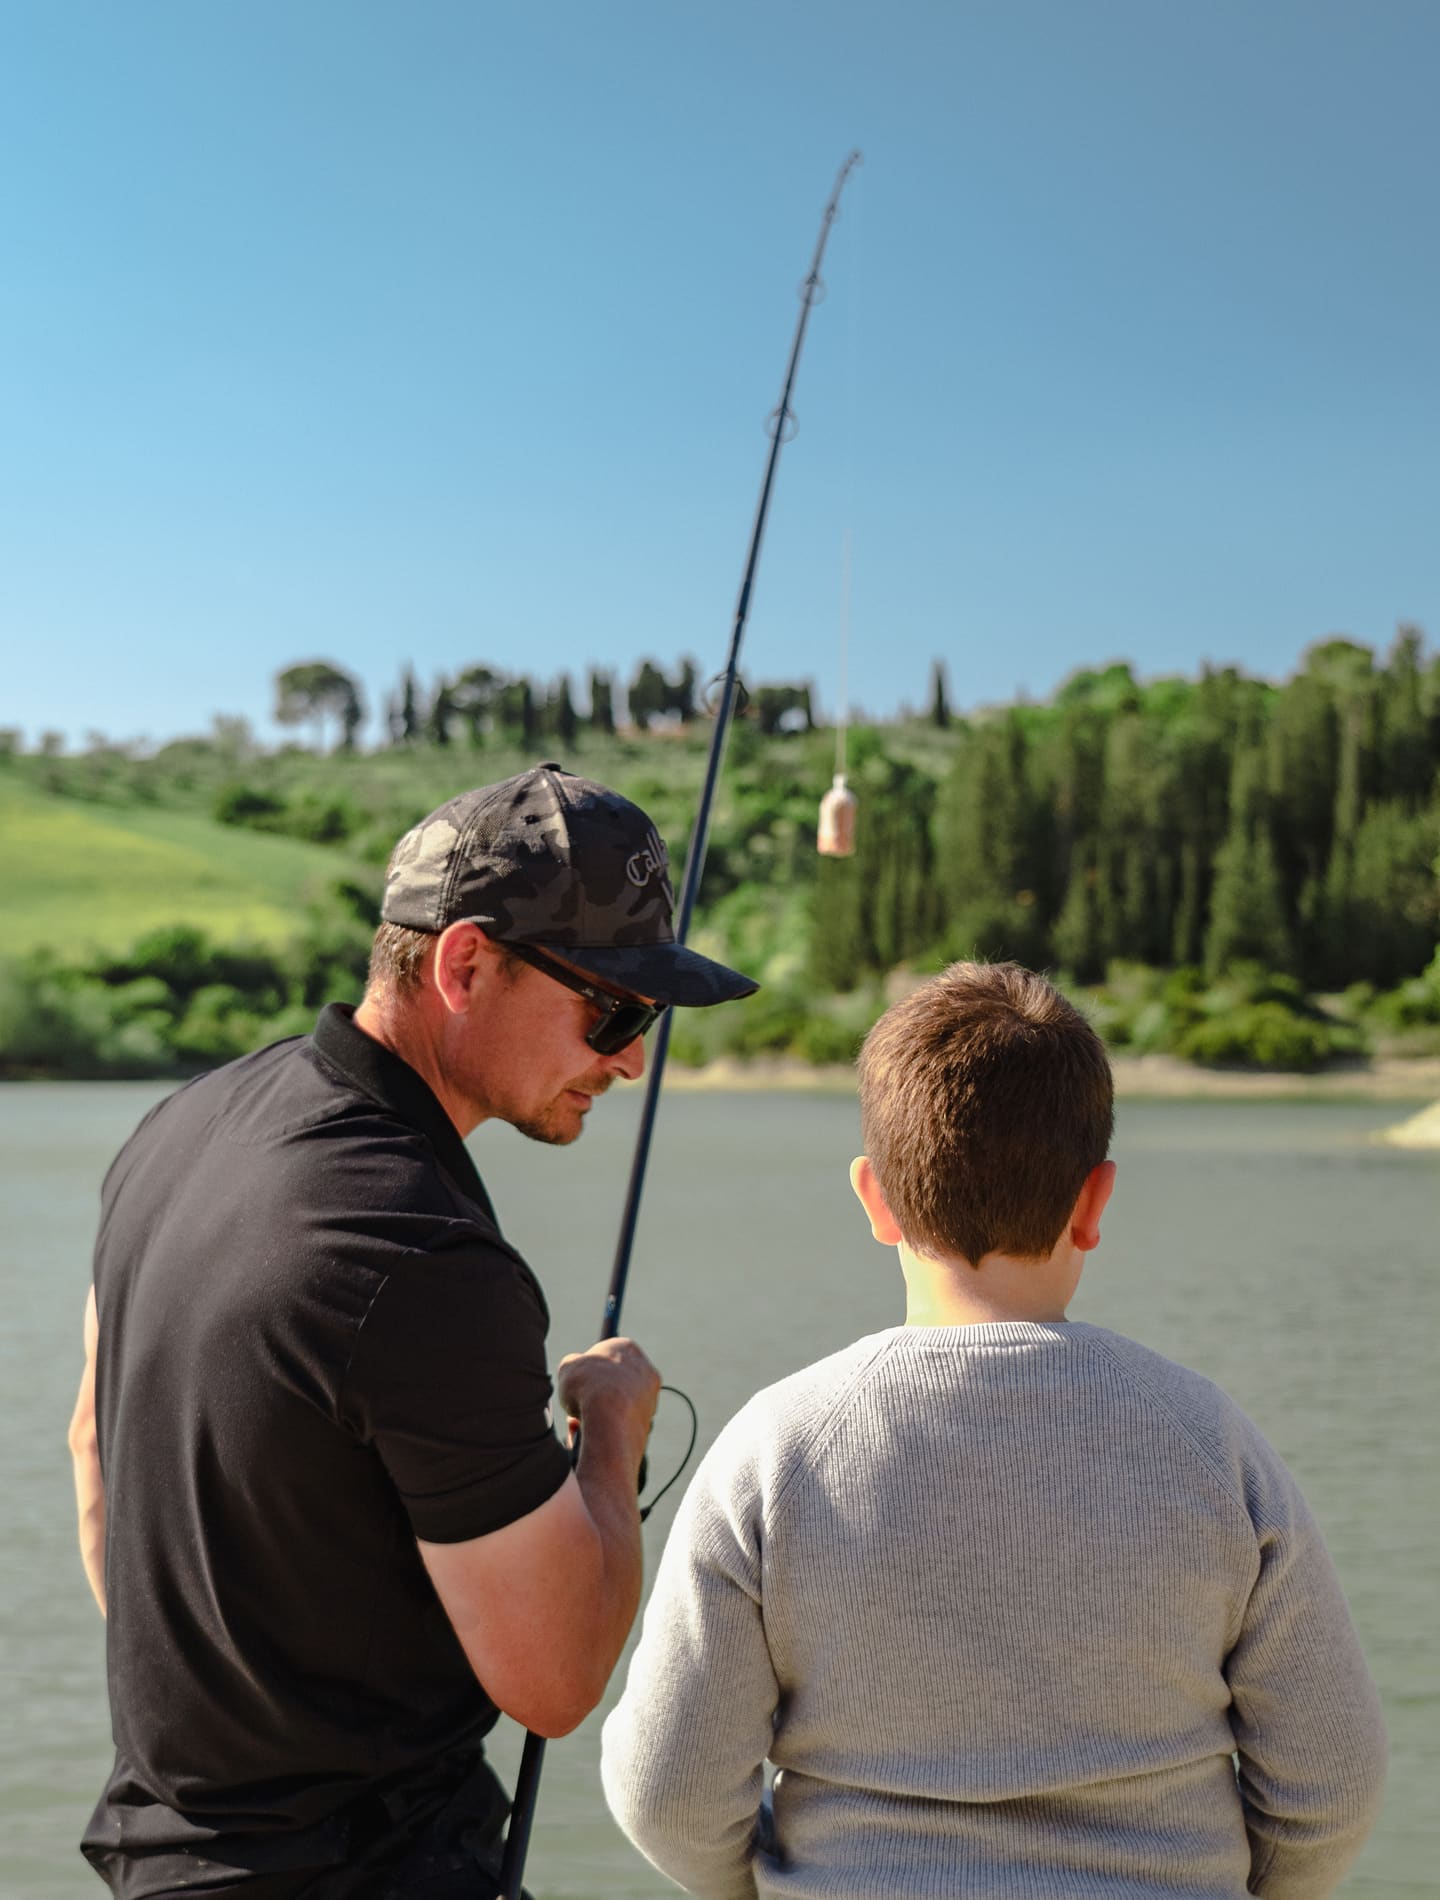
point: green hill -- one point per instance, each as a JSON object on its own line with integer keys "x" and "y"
{"x": 84, "y": 876}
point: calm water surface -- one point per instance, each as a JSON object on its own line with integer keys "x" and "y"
{"x": 1273, "y": 1246}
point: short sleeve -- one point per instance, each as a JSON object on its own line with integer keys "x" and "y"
{"x": 448, "y": 1382}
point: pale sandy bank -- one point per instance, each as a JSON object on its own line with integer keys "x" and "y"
{"x": 1421, "y": 1131}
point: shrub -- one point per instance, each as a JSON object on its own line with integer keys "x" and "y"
{"x": 688, "y": 1050}
{"x": 1258, "y": 1035}
{"x": 1412, "y": 1004}
{"x": 248, "y": 805}
{"x": 766, "y": 1024}
{"x": 821, "y": 1039}
{"x": 216, "y": 1027}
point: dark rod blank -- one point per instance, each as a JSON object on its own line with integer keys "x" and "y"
{"x": 527, "y": 1785}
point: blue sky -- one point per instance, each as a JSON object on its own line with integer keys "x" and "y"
{"x": 442, "y": 332}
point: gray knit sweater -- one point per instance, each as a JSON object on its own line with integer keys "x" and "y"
{"x": 999, "y": 1603}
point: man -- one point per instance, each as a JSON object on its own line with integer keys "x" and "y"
{"x": 1013, "y": 1606}
{"x": 336, "y": 1531}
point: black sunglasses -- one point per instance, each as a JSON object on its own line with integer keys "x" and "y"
{"x": 621, "y": 1021}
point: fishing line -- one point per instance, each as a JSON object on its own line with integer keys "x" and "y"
{"x": 852, "y": 380}
{"x": 689, "y": 1403}
{"x": 781, "y": 428}
{"x": 835, "y": 832}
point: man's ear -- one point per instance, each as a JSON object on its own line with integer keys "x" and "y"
{"x": 464, "y": 958}
{"x": 871, "y": 1196}
{"x": 1094, "y": 1196}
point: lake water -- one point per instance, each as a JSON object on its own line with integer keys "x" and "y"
{"x": 1274, "y": 1246}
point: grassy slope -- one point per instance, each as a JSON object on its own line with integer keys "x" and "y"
{"x": 88, "y": 875}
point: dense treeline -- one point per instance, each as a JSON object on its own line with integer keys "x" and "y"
{"x": 1182, "y": 823}
{"x": 1204, "y": 858}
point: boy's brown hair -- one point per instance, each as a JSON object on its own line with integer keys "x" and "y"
{"x": 985, "y": 1099}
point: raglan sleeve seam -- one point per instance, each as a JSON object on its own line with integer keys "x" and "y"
{"x": 1157, "y": 1401}
{"x": 809, "y": 1446}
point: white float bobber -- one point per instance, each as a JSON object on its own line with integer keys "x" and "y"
{"x": 836, "y": 835}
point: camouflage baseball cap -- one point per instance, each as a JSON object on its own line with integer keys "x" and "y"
{"x": 558, "y": 862}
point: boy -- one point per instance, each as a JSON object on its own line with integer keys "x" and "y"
{"x": 1013, "y": 1605}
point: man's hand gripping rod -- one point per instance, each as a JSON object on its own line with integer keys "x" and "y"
{"x": 781, "y": 428}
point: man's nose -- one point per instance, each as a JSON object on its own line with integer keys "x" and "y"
{"x": 630, "y": 1061}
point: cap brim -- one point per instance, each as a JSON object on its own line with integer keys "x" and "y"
{"x": 670, "y": 972}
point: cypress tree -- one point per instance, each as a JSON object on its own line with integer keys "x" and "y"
{"x": 442, "y": 713}
{"x": 939, "y": 703}
{"x": 409, "y": 709}
{"x": 682, "y": 698}
{"x": 561, "y": 716}
{"x": 648, "y": 695}
{"x": 602, "y": 705}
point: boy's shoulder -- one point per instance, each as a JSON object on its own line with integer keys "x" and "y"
{"x": 781, "y": 1430}
{"x": 1178, "y": 1388}
{"x": 1217, "y": 1426}
{"x": 794, "y": 1398}
{"x": 1092, "y": 1352}
{"x": 782, "y": 1422}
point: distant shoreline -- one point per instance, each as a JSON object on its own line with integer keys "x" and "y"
{"x": 1413, "y": 1080}
{"x": 1157, "y": 1078}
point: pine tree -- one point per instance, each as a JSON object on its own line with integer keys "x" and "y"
{"x": 1247, "y": 918}
{"x": 1407, "y": 762}
{"x": 648, "y": 695}
{"x": 993, "y": 845}
{"x": 1080, "y": 934}
{"x": 476, "y": 692}
{"x": 319, "y": 690}
{"x": 1247, "y": 907}
{"x": 1302, "y": 755}
{"x": 1188, "y": 936}
{"x": 837, "y": 956}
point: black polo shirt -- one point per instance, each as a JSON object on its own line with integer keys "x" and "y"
{"x": 315, "y": 1347}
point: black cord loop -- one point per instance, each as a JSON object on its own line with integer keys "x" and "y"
{"x": 646, "y": 1509}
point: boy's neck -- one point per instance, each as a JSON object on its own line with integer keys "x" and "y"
{"x": 944, "y": 1292}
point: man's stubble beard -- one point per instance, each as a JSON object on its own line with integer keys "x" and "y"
{"x": 541, "y": 1128}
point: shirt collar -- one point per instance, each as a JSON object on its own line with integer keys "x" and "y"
{"x": 379, "y": 1073}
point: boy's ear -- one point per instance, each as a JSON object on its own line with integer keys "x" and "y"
{"x": 1094, "y": 1197}
{"x": 871, "y": 1196}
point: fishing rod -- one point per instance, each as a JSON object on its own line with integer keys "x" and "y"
{"x": 781, "y": 426}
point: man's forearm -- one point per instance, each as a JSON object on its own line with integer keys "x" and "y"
{"x": 85, "y": 1453}
{"x": 607, "y": 1478}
